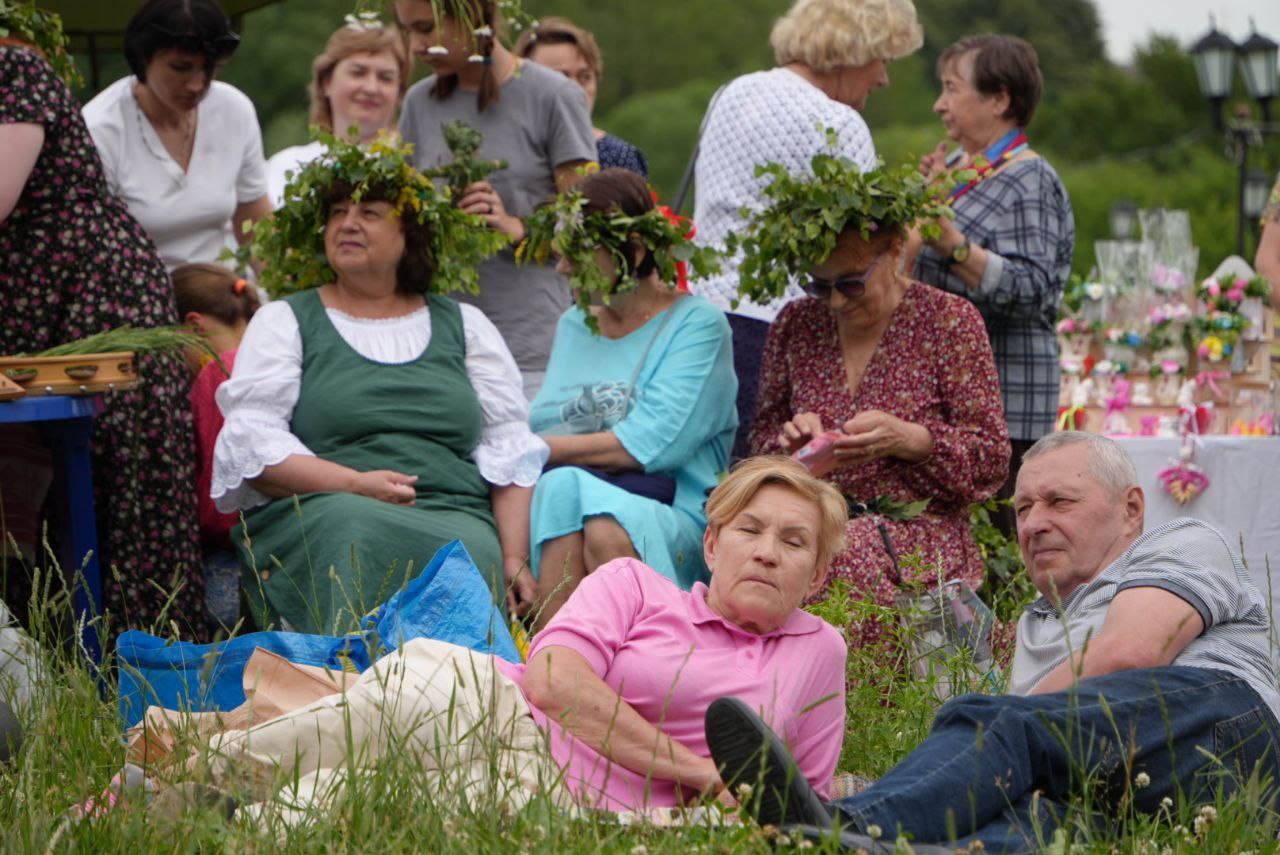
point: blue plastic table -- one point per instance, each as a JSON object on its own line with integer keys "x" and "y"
{"x": 66, "y": 424}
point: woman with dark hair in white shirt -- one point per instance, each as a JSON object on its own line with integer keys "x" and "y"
{"x": 182, "y": 150}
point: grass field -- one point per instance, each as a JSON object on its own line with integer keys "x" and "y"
{"x": 74, "y": 747}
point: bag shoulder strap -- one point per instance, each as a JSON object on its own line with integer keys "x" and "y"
{"x": 687, "y": 178}
{"x": 635, "y": 374}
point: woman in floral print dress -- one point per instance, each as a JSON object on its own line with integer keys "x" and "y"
{"x": 906, "y": 372}
{"x": 73, "y": 263}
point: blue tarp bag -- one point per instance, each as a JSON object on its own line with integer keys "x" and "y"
{"x": 447, "y": 601}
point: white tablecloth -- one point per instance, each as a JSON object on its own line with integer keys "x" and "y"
{"x": 1242, "y": 499}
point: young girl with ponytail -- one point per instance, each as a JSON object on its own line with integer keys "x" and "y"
{"x": 218, "y": 305}
{"x": 533, "y": 119}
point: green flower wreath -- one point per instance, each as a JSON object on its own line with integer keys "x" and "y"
{"x": 564, "y": 230}
{"x": 290, "y": 244}
{"x": 27, "y": 22}
{"x": 807, "y": 213}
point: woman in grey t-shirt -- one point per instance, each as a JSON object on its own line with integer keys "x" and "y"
{"x": 532, "y": 118}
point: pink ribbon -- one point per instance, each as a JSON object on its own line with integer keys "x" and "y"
{"x": 1210, "y": 379}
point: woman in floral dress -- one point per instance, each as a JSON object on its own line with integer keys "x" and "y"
{"x": 74, "y": 263}
{"x": 905, "y": 373}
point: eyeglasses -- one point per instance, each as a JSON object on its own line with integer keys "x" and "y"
{"x": 851, "y": 287}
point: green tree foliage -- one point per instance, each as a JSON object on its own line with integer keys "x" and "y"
{"x": 273, "y": 63}
{"x": 654, "y": 46}
{"x": 1141, "y": 131}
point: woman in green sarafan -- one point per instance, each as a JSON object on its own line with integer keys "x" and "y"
{"x": 369, "y": 420}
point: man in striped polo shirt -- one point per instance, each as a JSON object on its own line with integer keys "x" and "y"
{"x": 1143, "y": 673}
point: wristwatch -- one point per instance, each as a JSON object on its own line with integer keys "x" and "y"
{"x": 959, "y": 255}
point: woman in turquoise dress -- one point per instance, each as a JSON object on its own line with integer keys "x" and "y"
{"x": 637, "y": 408}
{"x": 370, "y": 421}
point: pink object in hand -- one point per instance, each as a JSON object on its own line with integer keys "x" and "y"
{"x": 819, "y": 454}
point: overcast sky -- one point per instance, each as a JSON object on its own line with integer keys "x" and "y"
{"x": 1128, "y": 23}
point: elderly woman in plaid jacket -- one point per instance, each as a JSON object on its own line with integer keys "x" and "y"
{"x": 1009, "y": 249}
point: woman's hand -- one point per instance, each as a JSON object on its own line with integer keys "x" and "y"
{"x": 701, "y": 780}
{"x": 934, "y": 163}
{"x": 797, "y": 433}
{"x": 395, "y": 488}
{"x": 873, "y": 435}
{"x": 949, "y": 238}
{"x": 522, "y": 590}
{"x": 482, "y": 200}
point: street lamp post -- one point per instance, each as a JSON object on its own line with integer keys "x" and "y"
{"x": 1215, "y": 57}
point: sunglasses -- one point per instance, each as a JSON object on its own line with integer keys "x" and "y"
{"x": 219, "y": 49}
{"x": 851, "y": 287}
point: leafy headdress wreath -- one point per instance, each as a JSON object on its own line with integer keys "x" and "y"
{"x": 565, "y": 229}
{"x": 43, "y": 29}
{"x": 806, "y": 214}
{"x": 291, "y": 243}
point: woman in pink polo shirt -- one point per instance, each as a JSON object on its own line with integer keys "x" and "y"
{"x": 617, "y": 684}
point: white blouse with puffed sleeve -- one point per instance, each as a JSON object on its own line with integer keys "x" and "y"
{"x": 258, "y": 400}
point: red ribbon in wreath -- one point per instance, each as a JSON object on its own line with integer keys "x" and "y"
{"x": 682, "y": 267}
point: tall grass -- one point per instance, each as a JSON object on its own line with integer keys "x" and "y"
{"x": 74, "y": 747}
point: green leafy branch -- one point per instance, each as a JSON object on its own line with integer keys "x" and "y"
{"x": 466, "y": 169}
{"x": 29, "y": 23}
{"x": 805, "y": 214}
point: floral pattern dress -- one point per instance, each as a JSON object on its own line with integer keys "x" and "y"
{"x": 74, "y": 263}
{"x": 933, "y": 367}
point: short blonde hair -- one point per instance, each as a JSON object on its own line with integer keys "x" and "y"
{"x": 824, "y": 34}
{"x": 746, "y": 479}
{"x": 346, "y": 42}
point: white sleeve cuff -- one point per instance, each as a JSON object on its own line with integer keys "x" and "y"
{"x": 511, "y": 454}
{"x": 247, "y": 444}
{"x": 991, "y": 275}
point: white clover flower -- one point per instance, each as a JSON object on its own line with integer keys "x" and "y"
{"x": 438, "y": 50}
{"x": 1142, "y": 780}
{"x": 363, "y": 21}
{"x": 1209, "y": 812}
{"x": 484, "y": 32}
{"x": 640, "y": 849}
{"x": 874, "y": 832}
{"x": 570, "y": 223}
{"x": 744, "y": 792}
{"x": 1166, "y": 803}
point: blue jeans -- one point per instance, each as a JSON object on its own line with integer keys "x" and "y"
{"x": 1001, "y": 769}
